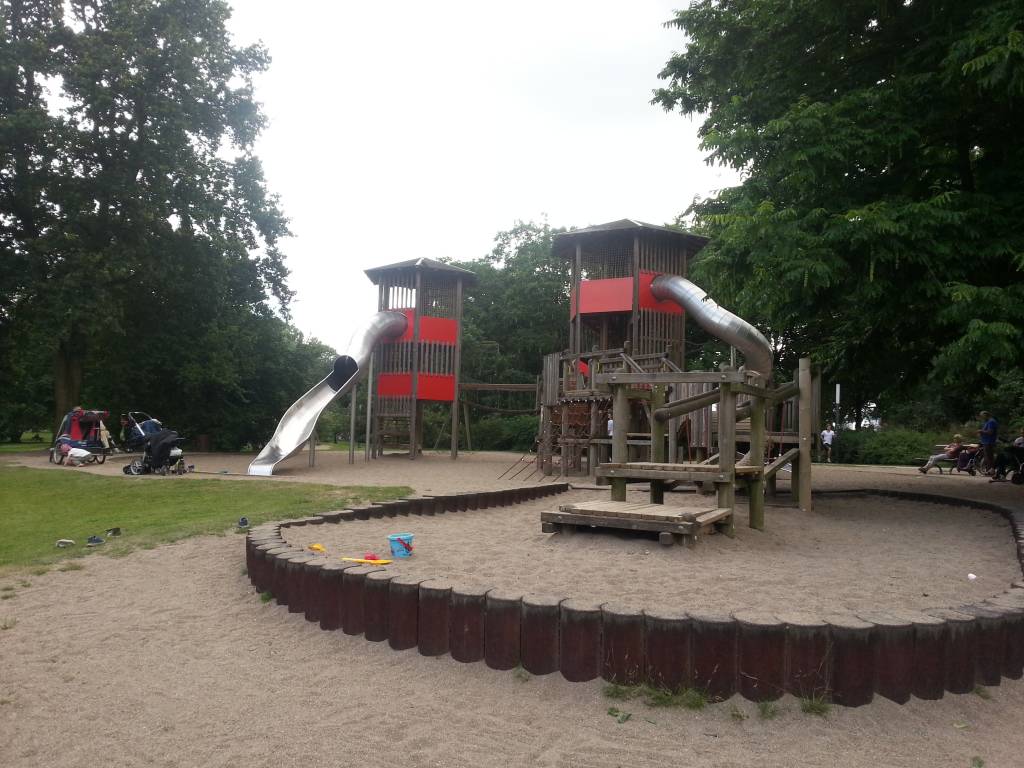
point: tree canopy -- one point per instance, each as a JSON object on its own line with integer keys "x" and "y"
{"x": 140, "y": 243}
{"x": 877, "y": 225}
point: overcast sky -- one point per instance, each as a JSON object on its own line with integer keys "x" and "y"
{"x": 407, "y": 129}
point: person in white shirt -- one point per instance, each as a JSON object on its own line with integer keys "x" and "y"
{"x": 827, "y": 436}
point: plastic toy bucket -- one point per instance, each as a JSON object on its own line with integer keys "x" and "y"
{"x": 401, "y": 544}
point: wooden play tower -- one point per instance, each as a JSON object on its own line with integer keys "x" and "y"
{"x": 614, "y": 324}
{"x": 626, "y": 367}
{"x": 423, "y": 364}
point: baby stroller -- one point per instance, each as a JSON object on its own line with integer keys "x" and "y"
{"x": 136, "y": 429}
{"x": 971, "y": 460}
{"x": 84, "y": 430}
{"x": 161, "y": 455}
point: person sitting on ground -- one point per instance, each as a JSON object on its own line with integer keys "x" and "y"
{"x": 987, "y": 437}
{"x": 949, "y": 453}
{"x": 1011, "y": 458}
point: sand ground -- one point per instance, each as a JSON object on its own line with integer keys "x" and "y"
{"x": 167, "y": 657}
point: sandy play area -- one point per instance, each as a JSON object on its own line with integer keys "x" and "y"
{"x": 167, "y": 657}
{"x": 852, "y": 554}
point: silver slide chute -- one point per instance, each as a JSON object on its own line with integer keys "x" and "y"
{"x": 299, "y": 421}
{"x": 719, "y": 322}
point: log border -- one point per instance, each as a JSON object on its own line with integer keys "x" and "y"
{"x": 839, "y": 657}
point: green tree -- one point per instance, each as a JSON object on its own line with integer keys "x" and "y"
{"x": 877, "y": 224}
{"x": 519, "y": 309}
{"x": 157, "y": 215}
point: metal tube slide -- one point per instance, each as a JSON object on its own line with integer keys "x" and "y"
{"x": 719, "y": 322}
{"x": 299, "y": 421}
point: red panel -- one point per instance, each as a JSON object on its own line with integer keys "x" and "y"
{"x": 431, "y": 386}
{"x": 443, "y": 329}
{"x": 616, "y": 295}
{"x": 394, "y": 384}
{"x": 611, "y": 295}
{"x": 647, "y": 300}
{"x": 435, "y": 387}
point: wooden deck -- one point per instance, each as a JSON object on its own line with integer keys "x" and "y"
{"x": 671, "y": 524}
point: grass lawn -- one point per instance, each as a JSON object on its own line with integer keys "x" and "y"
{"x": 39, "y": 506}
{"x": 28, "y": 444}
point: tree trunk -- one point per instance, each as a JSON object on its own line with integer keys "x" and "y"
{"x": 67, "y": 379}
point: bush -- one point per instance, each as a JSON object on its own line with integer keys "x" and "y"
{"x": 505, "y": 433}
{"x": 893, "y": 446}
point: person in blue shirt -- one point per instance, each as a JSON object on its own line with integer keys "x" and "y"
{"x": 987, "y": 437}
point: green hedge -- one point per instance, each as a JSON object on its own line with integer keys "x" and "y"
{"x": 893, "y": 446}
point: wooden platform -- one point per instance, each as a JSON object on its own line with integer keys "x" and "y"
{"x": 639, "y": 471}
{"x": 686, "y": 525}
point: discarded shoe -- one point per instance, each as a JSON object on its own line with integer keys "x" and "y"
{"x": 922, "y": 470}
{"x": 63, "y": 543}
{"x": 112, "y": 532}
{"x": 93, "y": 541}
{"x": 243, "y": 522}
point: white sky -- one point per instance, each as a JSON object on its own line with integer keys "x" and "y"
{"x": 407, "y": 129}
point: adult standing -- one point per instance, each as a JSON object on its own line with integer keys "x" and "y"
{"x": 828, "y": 435}
{"x": 987, "y": 437}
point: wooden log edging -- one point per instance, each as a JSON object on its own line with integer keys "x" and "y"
{"x": 839, "y": 657}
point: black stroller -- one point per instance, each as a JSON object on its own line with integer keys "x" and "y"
{"x": 161, "y": 455}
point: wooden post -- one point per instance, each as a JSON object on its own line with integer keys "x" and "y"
{"x": 565, "y": 449}
{"x": 757, "y": 459}
{"x": 352, "y": 425}
{"x": 592, "y": 447}
{"x": 657, "y": 442}
{"x": 469, "y": 438}
{"x": 727, "y": 449}
{"x": 634, "y": 337}
{"x": 312, "y": 449}
{"x": 578, "y": 335}
{"x": 804, "y": 413}
{"x": 620, "y": 428}
{"x": 414, "y": 406}
{"x": 456, "y": 368}
{"x": 369, "y": 410}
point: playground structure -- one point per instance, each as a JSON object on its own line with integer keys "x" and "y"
{"x": 408, "y": 353}
{"x": 629, "y": 302}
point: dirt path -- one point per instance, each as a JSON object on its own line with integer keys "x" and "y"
{"x": 168, "y": 658}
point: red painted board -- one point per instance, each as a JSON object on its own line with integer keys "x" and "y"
{"x": 647, "y": 300}
{"x": 435, "y": 387}
{"x": 443, "y": 329}
{"x": 431, "y": 386}
{"x": 616, "y": 295}
{"x": 394, "y": 384}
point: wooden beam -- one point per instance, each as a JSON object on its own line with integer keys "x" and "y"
{"x": 727, "y": 448}
{"x": 685, "y": 405}
{"x": 690, "y": 377}
{"x": 620, "y": 430}
{"x": 480, "y": 387}
{"x": 657, "y": 443}
{"x": 456, "y": 369}
{"x": 772, "y": 469}
{"x": 805, "y": 423}
{"x": 756, "y": 455}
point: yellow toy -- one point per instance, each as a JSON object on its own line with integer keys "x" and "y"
{"x": 316, "y": 548}
{"x": 365, "y": 561}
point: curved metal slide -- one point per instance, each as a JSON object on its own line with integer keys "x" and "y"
{"x": 719, "y": 322}
{"x": 299, "y": 421}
